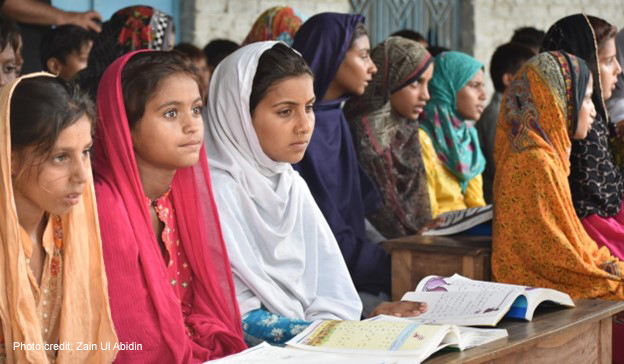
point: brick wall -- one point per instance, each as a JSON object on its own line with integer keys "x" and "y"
{"x": 232, "y": 19}
{"x": 494, "y": 21}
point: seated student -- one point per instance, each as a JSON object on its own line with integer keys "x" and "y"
{"x": 505, "y": 62}
{"x": 169, "y": 276}
{"x": 450, "y": 146}
{"x": 65, "y": 50}
{"x": 53, "y": 280}
{"x": 538, "y": 239}
{"x": 129, "y": 29}
{"x": 410, "y": 34}
{"x": 8, "y": 47}
{"x": 595, "y": 181}
{"x": 615, "y": 104}
{"x": 528, "y": 36}
{"x": 276, "y": 23}
{"x": 384, "y": 124}
{"x": 216, "y": 50}
{"x": 287, "y": 266}
{"x": 336, "y": 46}
{"x": 198, "y": 58}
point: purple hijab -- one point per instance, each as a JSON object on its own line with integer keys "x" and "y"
{"x": 341, "y": 188}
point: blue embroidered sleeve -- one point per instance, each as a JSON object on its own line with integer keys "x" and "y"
{"x": 261, "y": 325}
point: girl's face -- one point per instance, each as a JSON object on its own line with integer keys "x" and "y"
{"x": 170, "y": 133}
{"x": 471, "y": 98}
{"x": 54, "y": 183}
{"x": 357, "y": 68}
{"x": 8, "y": 72}
{"x": 609, "y": 68}
{"x": 284, "y": 119}
{"x": 586, "y": 114}
{"x": 409, "y": 101}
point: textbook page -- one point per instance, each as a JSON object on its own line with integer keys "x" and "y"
{"x": 375, "y": 338}
{"x": 268, "y": 354}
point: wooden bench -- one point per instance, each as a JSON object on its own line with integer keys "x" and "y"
{"x": 415, "y": 257}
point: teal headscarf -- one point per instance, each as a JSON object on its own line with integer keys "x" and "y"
{"x": 456, "y": 143}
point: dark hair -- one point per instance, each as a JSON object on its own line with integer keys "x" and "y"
{"x": 62, "y": 41}
{"x": 529, "y": 36}
{"x": 358, "y": 31}
{"x": 217, "y": 50}
{"x": 9, "y": 33}
{"x": 142, "y": 75}
{"x": 410, "y": 34}
{"x": 190, "y": 51}
{"x": 602, "y": 30}
{"x": 41, "y": 107}
{"x": 508, "y": 58}
{"x": 435, "y": 50}
{"x": 276, "y": 64}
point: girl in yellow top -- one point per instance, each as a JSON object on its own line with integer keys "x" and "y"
{"x": 450, "y": 146}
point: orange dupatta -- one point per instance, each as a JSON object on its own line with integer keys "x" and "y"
{"x": 538, "y": 240}
{"x": 85, "y": 314}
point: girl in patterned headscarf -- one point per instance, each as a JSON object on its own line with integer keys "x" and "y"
{"x": 384, "y": 125}
{"x": 538, "y": 239}
{"x": 129, "y": 29}
{"x": 276, "y": 23}
{"x": 450, "y": 146}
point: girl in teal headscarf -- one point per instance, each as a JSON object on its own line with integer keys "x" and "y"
{"x": 451, "y": 151}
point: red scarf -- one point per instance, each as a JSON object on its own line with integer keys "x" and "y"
{"x": 144, "y": 305}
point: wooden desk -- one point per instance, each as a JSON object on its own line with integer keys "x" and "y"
{"x": 556, "y": 335}
{"x": 415, "y": 257}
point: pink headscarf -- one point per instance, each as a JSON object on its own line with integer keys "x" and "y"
{"x": 144, "y": 306}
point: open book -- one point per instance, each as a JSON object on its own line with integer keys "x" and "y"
{"x": 461, "y": 301}
{"x": 388, "y": 337}
{"x": 461, "y": 220}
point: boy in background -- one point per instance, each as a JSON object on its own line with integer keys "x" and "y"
{"x": 65, "y": 50}
{"x": 505, "y": 62}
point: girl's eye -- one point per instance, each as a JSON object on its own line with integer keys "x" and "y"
{"x": 309, "y": 109}
{"x": 171, "y": 114}
{"x": 86, "y": 153}
{"x": 284, "y": 113}
{"x": 197, "y": 109}
{"x": 60, "y": 158}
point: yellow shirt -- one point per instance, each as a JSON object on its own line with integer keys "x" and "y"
{"x": 445, "y": 192}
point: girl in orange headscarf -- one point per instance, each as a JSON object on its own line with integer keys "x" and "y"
{"x": 538, "y": 239}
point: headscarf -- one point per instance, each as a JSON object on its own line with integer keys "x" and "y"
{"x": 595, "y": 181}
{"x": 283, "y": 254}
{"x": 276, "y": 23}
{"x": 129, "y": 29}
{"x": 144, "y": 306}
{"x": 538, "y": 240}
{"x": 341, "y": 188}
{"x": 85, "y": 314}
{"x": 616, "y": 103}
{"x": 455, "y": 141}
{"x": 387, "y": 144}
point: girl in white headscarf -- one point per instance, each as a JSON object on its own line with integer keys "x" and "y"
{"x": 287, "y": 266}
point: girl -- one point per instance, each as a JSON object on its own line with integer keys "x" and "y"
{"x": 337, "y": 49}
{"x": 538, "y": 240}
{"x": 53, "y": 281}
{"x": 170, "y": 280}
{"x": 450, "y": 146}
{"x": 276, "y": 23}
{"x": 595, "y": 181}
{"x": 129, "y": 29}
{"x": 384, "y": 124}
{"x": 287, "y": 266}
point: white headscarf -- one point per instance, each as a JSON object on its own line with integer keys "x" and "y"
{"x": 284, "y": 255}
{"x": 615, "y": 104}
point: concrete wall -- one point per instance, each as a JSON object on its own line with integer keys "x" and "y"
{"x": 232, "y": 19}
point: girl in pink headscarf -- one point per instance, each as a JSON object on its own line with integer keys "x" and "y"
{"x": 170, "y": 284}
